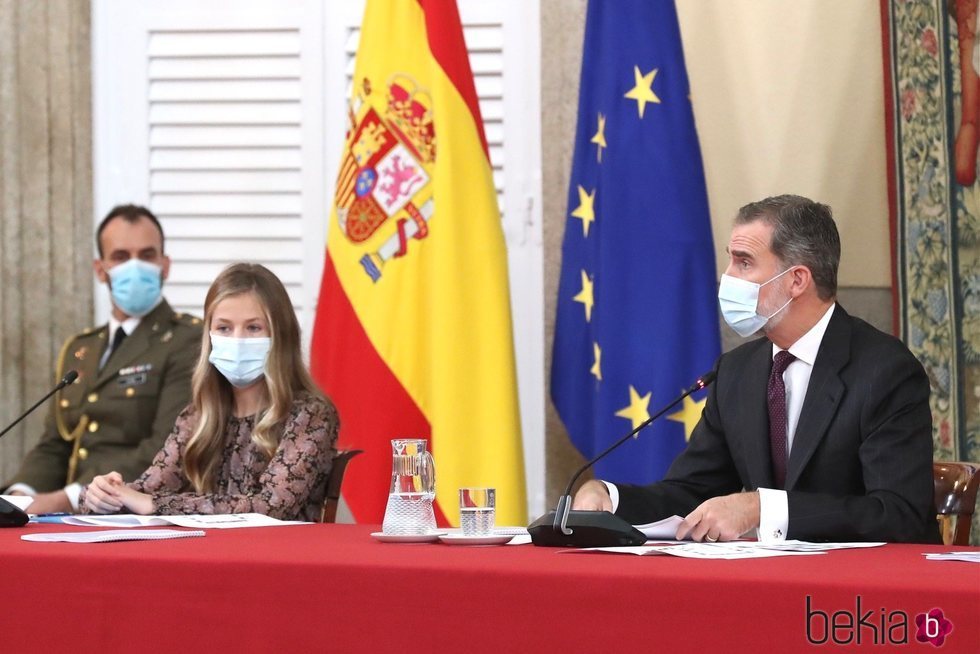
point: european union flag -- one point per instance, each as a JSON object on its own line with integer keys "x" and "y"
{"x": 637, "y": 310}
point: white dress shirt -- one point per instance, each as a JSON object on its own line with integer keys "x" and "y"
{"x": 773, "y": 504}
{"x": 128, "y": 325}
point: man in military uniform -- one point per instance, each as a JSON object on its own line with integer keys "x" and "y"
{"x": 134, "y": 373}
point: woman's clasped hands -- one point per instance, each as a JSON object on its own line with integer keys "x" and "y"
{"x": 108, "y": 494}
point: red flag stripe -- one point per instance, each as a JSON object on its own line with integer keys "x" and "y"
{"x": 375, "y": 406}
{"x": 449, "y": 49}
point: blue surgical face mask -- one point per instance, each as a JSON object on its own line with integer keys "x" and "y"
{"x": 135, "y": 286}
{"x": 240, "y": 360}
{"x": 739, "y": 301}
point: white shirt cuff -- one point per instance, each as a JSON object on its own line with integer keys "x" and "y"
{"x": 613, "y": 494}
{"x": 23, "y": 488}
{"x": 73, "y": 491}
{"x": 773, "y": 515}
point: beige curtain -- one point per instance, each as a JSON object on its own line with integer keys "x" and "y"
{"x": 45, "y": 202}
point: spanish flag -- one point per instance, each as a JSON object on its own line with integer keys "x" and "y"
{"x": 413, "y": 330}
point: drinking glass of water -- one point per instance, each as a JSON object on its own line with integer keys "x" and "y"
{"x": 476, "y": 510}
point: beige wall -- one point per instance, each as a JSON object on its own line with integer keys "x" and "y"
{"x": 562, "y": 30}
{"x": 788, "y": 99}
{"x": 45, "y": 202}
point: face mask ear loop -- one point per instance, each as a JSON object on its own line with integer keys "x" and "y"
{"x": 777, "y": 276}
{"x": 768, "y": 318}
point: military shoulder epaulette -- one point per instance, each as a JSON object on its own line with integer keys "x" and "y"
{"x": 86, "y": 332}
{"x": 186, "y": 319}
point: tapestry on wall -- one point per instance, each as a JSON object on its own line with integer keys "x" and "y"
{"x": 933, "y": 59}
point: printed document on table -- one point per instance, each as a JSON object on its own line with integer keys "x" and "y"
{"x": 696, "y": 551}
{"x": 218, "y": 521}
{"x": 111, "y": 535}
{"x": 969, "y": 557}
{"x": 733, "y": 550}
{"x": 806, "y": 546}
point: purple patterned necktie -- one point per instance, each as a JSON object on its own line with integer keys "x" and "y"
{"x": 777, "y": 417}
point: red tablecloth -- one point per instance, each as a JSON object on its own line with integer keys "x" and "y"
{"x": 332, "y": 588}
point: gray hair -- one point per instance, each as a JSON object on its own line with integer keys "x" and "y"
{"x": 803, "y": 234}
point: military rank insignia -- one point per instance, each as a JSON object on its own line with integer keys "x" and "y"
{"x": 134, "y": 375}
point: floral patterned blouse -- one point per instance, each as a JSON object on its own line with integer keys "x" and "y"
{"x": 289, "y": 486}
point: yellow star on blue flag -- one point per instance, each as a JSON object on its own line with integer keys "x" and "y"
{"x": 688, "y": 416}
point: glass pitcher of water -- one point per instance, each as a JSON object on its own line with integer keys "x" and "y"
{"x": 413, "y": 488}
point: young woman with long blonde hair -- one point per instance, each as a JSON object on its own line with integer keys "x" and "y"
{"x": 258, "y": 435}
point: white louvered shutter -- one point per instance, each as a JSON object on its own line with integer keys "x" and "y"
{"x": 218, "y": 109}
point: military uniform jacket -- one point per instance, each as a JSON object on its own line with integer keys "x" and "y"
{"x": 116, "y": 418}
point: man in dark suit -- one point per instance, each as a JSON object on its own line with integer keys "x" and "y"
{"x": 134, "y": 373}
{"x": 820, "y": 431}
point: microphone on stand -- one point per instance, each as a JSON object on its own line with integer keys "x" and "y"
{"x": 566, "y": 528}
{"x": 10, "y": 515}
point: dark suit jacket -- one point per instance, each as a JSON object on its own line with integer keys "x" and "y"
{"x": 860, "y": 467}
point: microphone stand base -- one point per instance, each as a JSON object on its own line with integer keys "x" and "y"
{"x": 11, "y": 516}
{"x": 589, "y": 529}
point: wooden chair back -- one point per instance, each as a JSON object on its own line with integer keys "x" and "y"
{"x": 332, "y": 498}
{"x": 955, "y": 484}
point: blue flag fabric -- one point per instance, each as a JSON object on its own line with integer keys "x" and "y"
{"x": 637, "y": 318}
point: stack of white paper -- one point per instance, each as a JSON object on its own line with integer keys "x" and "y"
{"x": 969, "y": 557}
{"x": 665, "y": 529}
{"x": 198, "y": 521}
{"x": 111, "y": 535}
{"x": 733, "y": 549}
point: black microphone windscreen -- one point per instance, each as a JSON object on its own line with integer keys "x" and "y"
{"x": 708, "y": 377}
{"x": 69, "y": 378}
{"x": 703, "y": 381}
